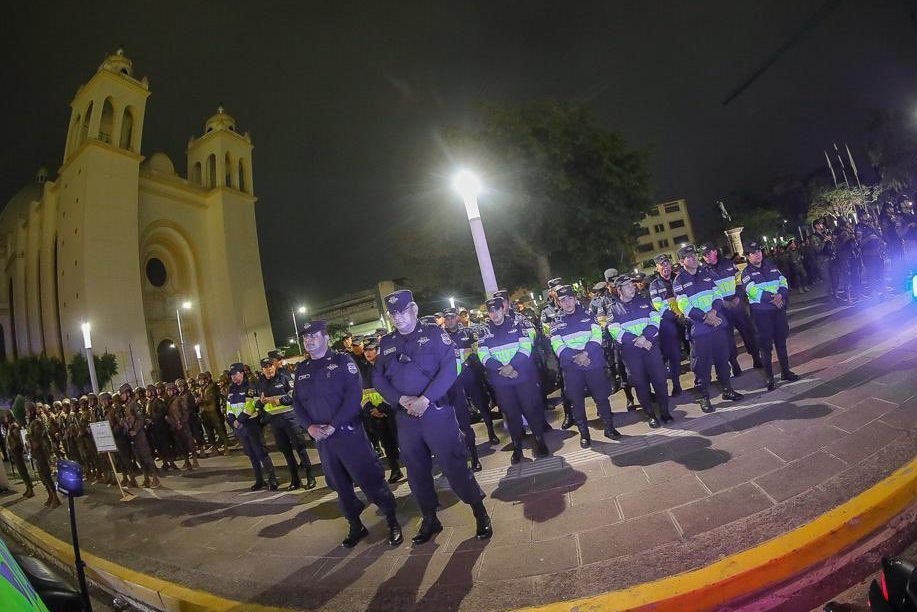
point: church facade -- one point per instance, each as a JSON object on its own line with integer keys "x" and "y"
{"x": 161, "y": 266}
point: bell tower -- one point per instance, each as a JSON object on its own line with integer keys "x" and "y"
{"x": 221, "y": 157}
{"x": 98, "y": 216}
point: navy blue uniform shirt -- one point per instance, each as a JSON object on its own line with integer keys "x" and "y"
{"x": 328, "y": 391}
{"x": 419, "y": 363}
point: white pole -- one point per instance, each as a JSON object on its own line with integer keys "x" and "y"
{"x": 90, "y": 361}
{"x": 181, "y": 340}
{"x": 296, "y": 332}
{"x": 480, "y": 246}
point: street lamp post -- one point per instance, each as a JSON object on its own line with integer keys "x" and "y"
{"x": 197, "y": 353}
{"x": 181, "y": 336}
{"x": 90, "y": 361}
{"x": 302, "y": 310}
{"x": 468, "y": 186}
{"x": 452, "y": 302}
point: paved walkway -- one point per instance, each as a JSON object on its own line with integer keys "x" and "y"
{"x": 656, "y": 503}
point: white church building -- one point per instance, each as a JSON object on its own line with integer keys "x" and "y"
{"x": 121, "y": 241}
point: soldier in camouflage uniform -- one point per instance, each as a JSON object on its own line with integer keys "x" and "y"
{"x": 41, "y": 452}
{"x": 135, "y": 425}
{"x": 88, "y": 454}
{"x": 177, "y": 418}
{"x": 115, "y": 416}
{"x": 157, "y": 409}
{"x": 211, "y": 415}
{"x": 17, "y": 452}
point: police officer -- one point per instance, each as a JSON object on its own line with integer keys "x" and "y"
{"x": 458, "y": 399}
{"x": 671, "y": 328}
{"x": 378, "y": 413}
{"x": 414, "y": 371}
{"x": 634, "y": 324}
{"x": 470, "y": 383}
{"x": 542, "y": 341}
{"x": 135, "y": 422}
{"x": 613, "y": 349}
{"x": 577, "y": 341}
{"x": 699, "y": 297}
{"x": 767, "y": 293}
{"x": 505, "y": 349}
{"x": 328, "y": 403}
{"x": 299, "y": 442}
{"x": 242, "y": 416}
{"x": 725, "y": 274}
{"x": 275, "y": 391}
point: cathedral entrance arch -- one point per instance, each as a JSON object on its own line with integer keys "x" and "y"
{"x": 169, "y": 358}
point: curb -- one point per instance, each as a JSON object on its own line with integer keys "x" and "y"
{"x": 729, "y": 579}
{"x": 766, "y": 565}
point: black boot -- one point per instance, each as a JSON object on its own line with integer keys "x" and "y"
{"x": 610, "y": 431}
{"x": 296, "y": 484}
{"x": 310, "y": 479}
{"x": 491, "y": 434}
{"x": 705, "y": 405}
{"x": 630, "y": 398}
{"x": 395, "y": 476}
{"x": 484, "y": 530}
{"x": 732, "y": 395}
{"x": 395, "y": 537}
{"x": 429, "y": 527}
{"x": 541, "y": 449}
{"x": 568, "y": 417}
{"x": 259, "y": 484}
{"x": 272, "y": 483}
{"x": 771, "y": 383}
{"x": 584, "y": 440}
{"x": 654, "y": 420}
{"x": 789, "y": 375}
{"x": 666, "y": 415}
{"x": 475, "y": 462}
{"x": 357, "y": 532}
{"x": 517, "y": 454}
{"x": 676, "y": 389}
{"x": 736, "y": 368}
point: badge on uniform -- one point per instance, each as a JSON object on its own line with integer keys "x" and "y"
{"x": 423, "y": 340}
{"x": 446, "y": 338}
{"x": 352, "y": 367}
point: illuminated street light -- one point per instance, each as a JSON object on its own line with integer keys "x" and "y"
{"x": 452, "y": 302}
{"x": 293, "y": 311}
{"x": 467, "y": 185}
{"x": 181, "y": 336}
{"x": 90, "y": 361}
{"x": 197, "y": 353}
{"x": 186, "y": 305}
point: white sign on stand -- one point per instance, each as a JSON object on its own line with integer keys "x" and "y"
{"x": 102, "y": 436}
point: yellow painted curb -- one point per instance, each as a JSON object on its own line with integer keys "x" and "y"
{"x": 735, "y": 576}
{"x": 767, "y": 564}
{"x": 154, "y": 592}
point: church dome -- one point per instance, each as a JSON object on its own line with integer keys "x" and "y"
{"x": 159, "y": 163}
{"x": 118, "y": 62}
{"x": 220, "y": 121}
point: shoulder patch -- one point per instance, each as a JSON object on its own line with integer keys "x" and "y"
{"x": 352, "y": 367}
{"x": 446, "y": 338}
{"x": 423, "y": 340}
{"x": 390, "y": 350}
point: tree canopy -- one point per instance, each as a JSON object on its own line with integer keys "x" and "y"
{"x": 563, "y": 197}
{"x": 842, "y": 201}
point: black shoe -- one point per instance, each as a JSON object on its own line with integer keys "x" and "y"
{"x": 630, "y": 406}
{"x": 358, "y": 531}
{"x": 310, "y": 481}
{"x": 484, "y": 530}
{"x": 667, "y": 417}
{"x": 732, "y": 395}
{"x": 294, "y": 485}
{"x": 516, "y": 456}
{"x": 705, "y": 405}
{"x": 257, "y": 486}
{"x": 568, "y": 421}
{"x": 616, "y": 387}
{"x": 493, "y": 439}
{"x": 611, "y": 432}
{"x": 379, "y": 453}
{"x": 395, "y": 476}
{"x": 541, "y": 449}
{"x": 395, "y": 537}
{"x": 584, "y": 440}
{"x": 654, "y": 423}
{"x": 771, "y": 384}
{"x": 272, "y": 484}
{"x": 736, "y": 369}
{"x": 429, "y": 527}
{"x": 790, "y": 376}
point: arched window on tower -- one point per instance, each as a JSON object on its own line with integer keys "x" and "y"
{"x": 84, "y": 129}
{"x": 229, "y": 167}
{"x": 243, "y": 184}
{"x": 196, "y": 174}
{"x": 108, "y": 120}
{"x": 212, "y": 171}
{"x": 127, "y": 128}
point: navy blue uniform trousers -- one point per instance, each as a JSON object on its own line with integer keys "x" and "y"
{"x": 285, "y": 431}
{"x": 773, "y": 330}
{"x": 577, "y": 382}
{"x": 436, "y": 432}
{"x": 711, "y": 348}
{"x": 737, "y": 318}
{"x": 518, "y": 400}
{"x": 647, "y": 368}
{"x": 347, "y": 459}
{"x": 670, "y": 345}
{"x": 252, "y": 440}
{"x": 462, "y": 412}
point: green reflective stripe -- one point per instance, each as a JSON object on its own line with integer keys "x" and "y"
{"x": 458, "y": 364}
{"x": 636, "y": 326}
{"x": 756, "y": 291}
{"x": 655, "y": 318}
{"x": 660, "y": 304}
{"x": 466, "y": 353}
{"x": 702, "y": 300}
{"x": 783, "y": 282}
{"x": 727, "y": 286}
{"x": 596, "y": 335}
{"x": 503, "y": 353}
{"x": 525, "y": 346}
{"x": 753, "y": 292}
{"x": 483, "y": 353}
{"x": 616, "y": 331}
{"x": 238, "y": 408}
{"x": 684, "y": 304}
{"x": 234, "y": 409}
{"x": 576, "y": 341}
{"x": 278, "y": 409}
{"x": 373, "y": 397}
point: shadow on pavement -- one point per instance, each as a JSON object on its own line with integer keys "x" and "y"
{"x": 546, "y": 504}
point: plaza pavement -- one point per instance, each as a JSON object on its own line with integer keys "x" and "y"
{"x": 654, "y": 504}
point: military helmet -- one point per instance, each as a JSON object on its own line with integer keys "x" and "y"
{"x": 140, "y": 390}
{"x": 125, "y": 388}
{"x": 180, "y": 382}
{"x": 104, "y": 395}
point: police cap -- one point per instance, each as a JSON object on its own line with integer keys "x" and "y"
{"x": 664, "y": 257}
{"x": 450, "y": 312}
{"x": 686, "y": 250}
{"x": 554, "y": 282}
{"x": 495, "y": 303}
{"x": 370, "y": 345}
{"x": 621, "y": 279}
{"x": 313, "y": 327}
{"x": 267, "y": 362}
{"x": 236, "y": 368}
{"x": 397, "y": 301}
{"x": 276, "y": 355}
{"x": 706, "y": 248}
{"x": 752, "y": 247}
{"x": 565, "y": 291}
{"x": 503, "y": 293}
{"x": 428, "y": 319}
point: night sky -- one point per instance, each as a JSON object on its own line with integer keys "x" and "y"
{"x": 346, "y": 102}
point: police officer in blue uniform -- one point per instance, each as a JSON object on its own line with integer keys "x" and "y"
{"x": 726, "y": 274}
{"x": 671, "y": 328}
{"x": 242, "y": 416}
{"x": 414, "y": 371}
{"x": 548, "y": 314}
{"x": 327, "y": 401}
{"x": 275, "y": 400}
{"x": 470, "y": 383}
{"x": 768, "y": 294}
{"x": 577, "y": 340}
{"x": 377, "y": 413}
{"x": 505, "y": 349}
{"x": 699, "y": 297}
{"x": 634, "y": 324}
{"x": 299, "y": 442}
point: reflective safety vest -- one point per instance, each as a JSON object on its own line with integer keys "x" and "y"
{"x": 373, "y": 397}
{"x": 237, "y": 408}
{"x": 277, "y": 408}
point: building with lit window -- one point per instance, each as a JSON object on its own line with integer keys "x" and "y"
{"x": 124, "y": 242}
{"x": 663, "y": 230}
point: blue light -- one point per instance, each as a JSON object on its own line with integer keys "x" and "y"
{"x": 70, "y": 478}
{"x": 914, "y": 286}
